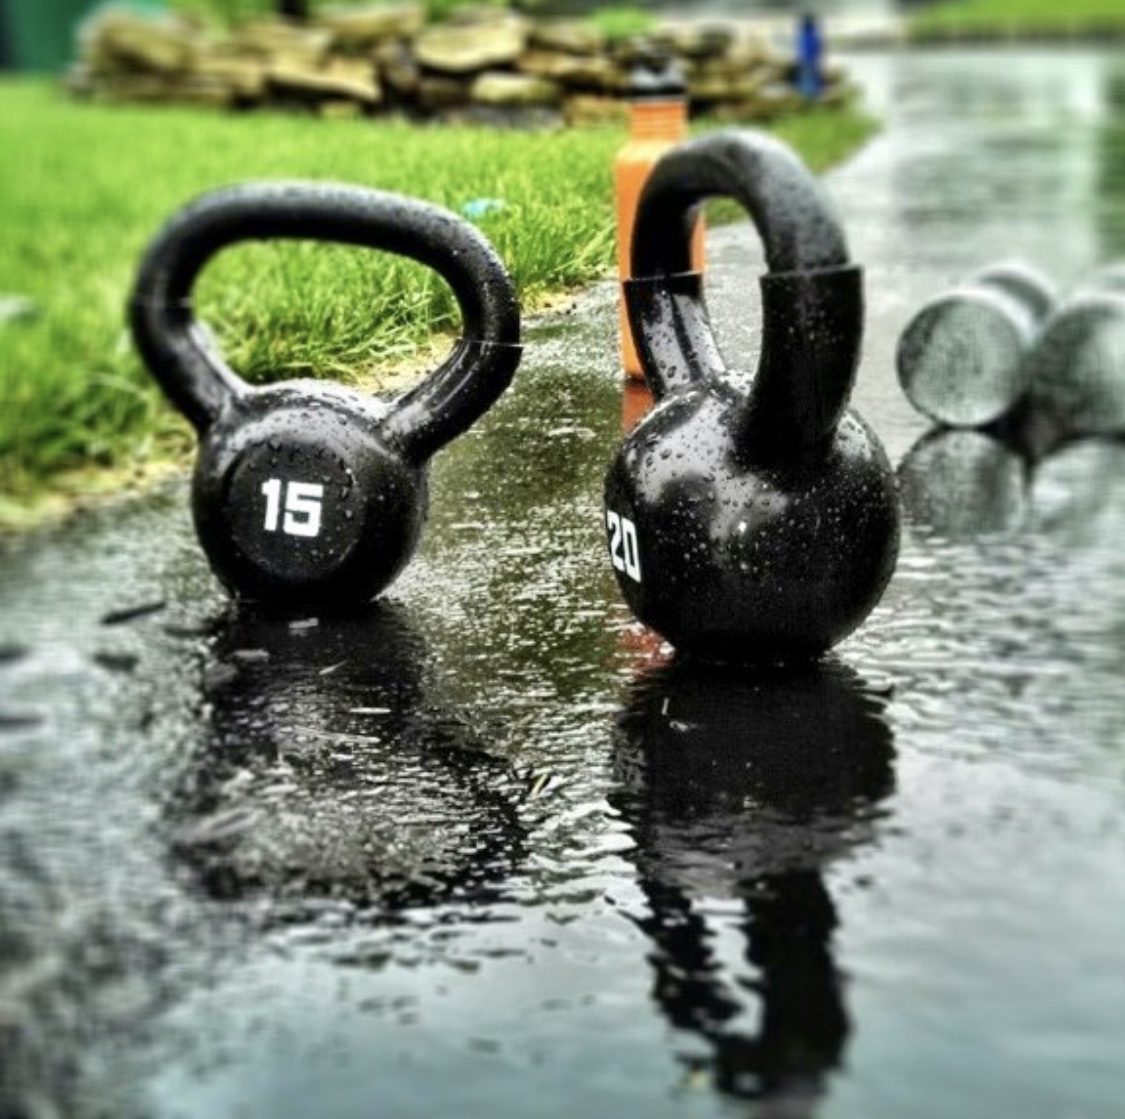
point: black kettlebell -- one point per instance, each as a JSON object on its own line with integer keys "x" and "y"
{"x": 758, "y": 526}
{"x": 308, "y": 494}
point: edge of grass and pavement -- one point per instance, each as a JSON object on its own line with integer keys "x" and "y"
{"x": 86, "y": 186}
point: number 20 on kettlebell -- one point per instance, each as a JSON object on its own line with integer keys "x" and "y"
{"x": 307, "y": 494}
{"x": 759, "y": 526}
{"x": 623, "y": 549}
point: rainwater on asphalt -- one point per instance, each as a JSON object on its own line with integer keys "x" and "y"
{"x": 480, "y": 850}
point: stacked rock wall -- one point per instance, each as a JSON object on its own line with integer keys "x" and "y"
{"x": 485, "y": 64}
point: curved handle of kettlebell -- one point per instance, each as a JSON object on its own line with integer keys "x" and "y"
{"x": 194, "y": 375}
{"x": 812, "y": 296}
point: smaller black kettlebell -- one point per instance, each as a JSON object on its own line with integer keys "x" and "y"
{"x": 759, "y": 526}
{"x": 307, "y": 494}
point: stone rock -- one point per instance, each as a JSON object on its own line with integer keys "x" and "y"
{"x": 202, "y": 90}
{"x": 366, "y": 27}
{"x": 568, "y": 36}
{"x": 478, "y": 66}
{"x": 722, "y": 88}
{"x": 587, "y": 110}
{"x": 585, "y": 71}
{"x": 339, "y": 110}
{"x": 184, "y": 89}
{"x": 441, "y": 92}
{"x": 283, "y": 44}
{"x": 347, "y": 79}
{"x": 244, "y": 77}
{"x": 700, "y": 40}
{"x": 126, "y": 86}
{"x": 398, "y": 69}
{"x": 161, "y": 46}
{"x": 749, "y": 48}
{"x": 639, "y": 48}
{"x": 499, "y": 88}
{"x": 467, "y": 48}
{"x": 733, "y": 68}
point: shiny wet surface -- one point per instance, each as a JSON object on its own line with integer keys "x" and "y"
{"x": 483, "y": 849}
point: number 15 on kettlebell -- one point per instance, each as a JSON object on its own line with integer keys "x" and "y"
{"x": 307, "y": 494}
{"x": 756, "y": 527}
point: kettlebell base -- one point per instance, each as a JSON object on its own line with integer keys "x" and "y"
{"x": 299, "y": 506}
{"x": 740, "y": 635}
{"x": 762, "y": 565}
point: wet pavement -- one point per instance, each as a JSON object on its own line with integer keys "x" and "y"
{"x": 484, "y": 850}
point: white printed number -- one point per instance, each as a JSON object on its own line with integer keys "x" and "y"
{"x": 623, "y": 548}
{"x": 301, "y": 503}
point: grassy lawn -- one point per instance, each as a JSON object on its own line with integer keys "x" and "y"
{"x": 1032, "y": 18}
{"x": 85, "y": 186}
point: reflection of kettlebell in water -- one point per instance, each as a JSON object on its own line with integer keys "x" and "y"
{"x": 748, "y": 787}
{"x": 333, "y": 767}
{"x": 760, "y": 526}
{"x": 305, "y": 493}
{"x": 728, "y": 775}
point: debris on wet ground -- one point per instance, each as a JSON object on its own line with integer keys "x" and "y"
{"x": 116, "y": 662}
{"x": 125, "y": 614}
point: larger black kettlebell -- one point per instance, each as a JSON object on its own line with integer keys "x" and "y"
{"x": 308, "y": 494}
{"x": 759, "y": 526}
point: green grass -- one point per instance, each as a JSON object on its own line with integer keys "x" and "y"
{"x": 621, "y": 22}
{"x": 85, "y": 187}
{"x": 972, "y": 18}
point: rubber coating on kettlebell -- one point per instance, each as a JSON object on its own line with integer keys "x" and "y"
{"x": 306, "y": 493}
{"x": 758, "y": 527}
{"x": 812, "y": 296}
{"x": 198, "y": 381}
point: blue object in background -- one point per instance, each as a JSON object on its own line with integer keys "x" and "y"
{"x": 480, "y": 207}
{"x": 810, "y": 48}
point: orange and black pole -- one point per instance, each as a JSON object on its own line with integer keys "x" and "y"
{"x": 657, "y": 121}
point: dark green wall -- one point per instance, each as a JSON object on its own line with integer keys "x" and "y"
{"x": 38, "y": 35}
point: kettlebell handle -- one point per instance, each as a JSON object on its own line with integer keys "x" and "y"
{"x": 812, "y": 295}
{"x": 193, "y": 374}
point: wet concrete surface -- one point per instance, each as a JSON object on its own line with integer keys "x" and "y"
{"x": 483, "y": 850}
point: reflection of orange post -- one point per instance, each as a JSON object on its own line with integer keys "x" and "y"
{"x": 657, "y": 122}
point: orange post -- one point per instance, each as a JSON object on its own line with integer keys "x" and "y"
{"x": 636, "y": 403}
{"x": 657, "y": 122}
